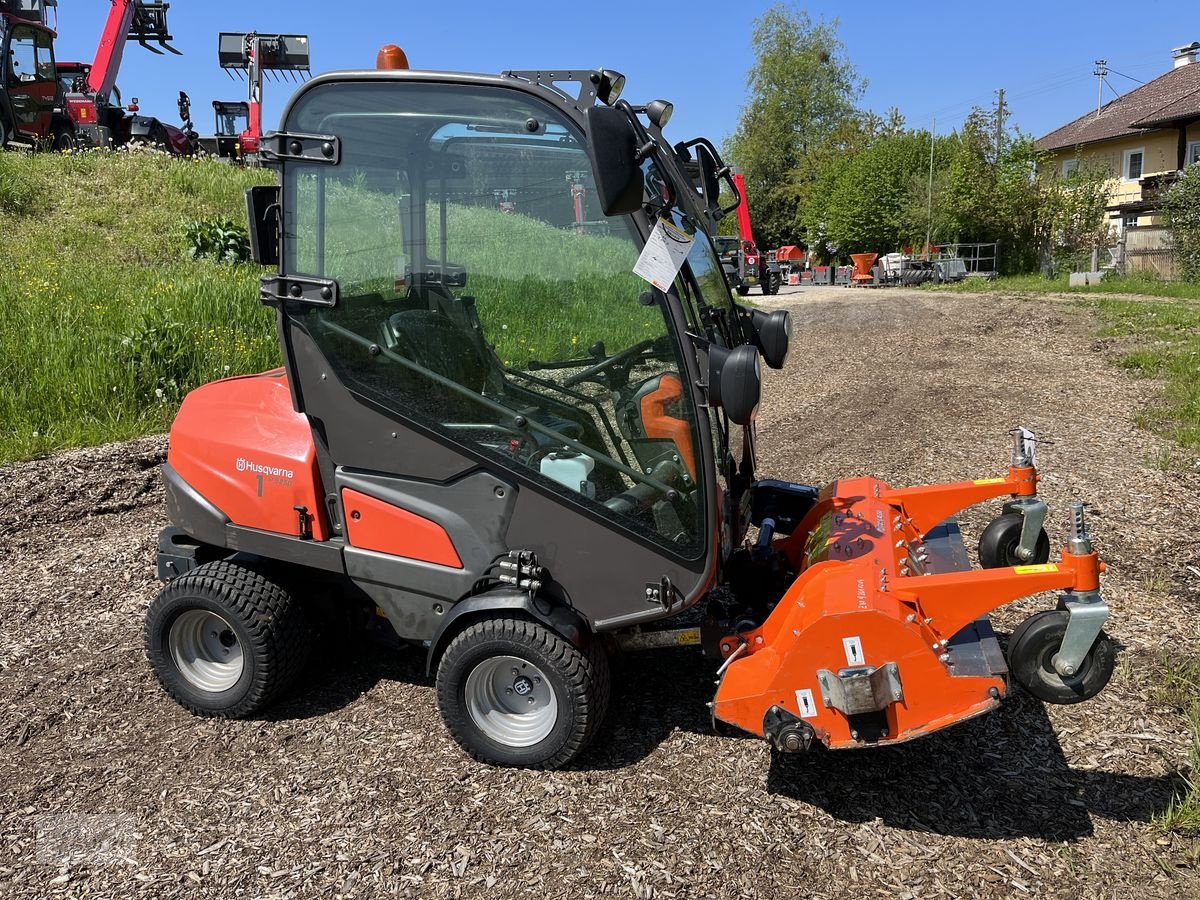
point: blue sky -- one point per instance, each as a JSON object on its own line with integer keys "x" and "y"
{"x": 930, "y": 58}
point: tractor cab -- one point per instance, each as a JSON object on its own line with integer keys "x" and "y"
{"x": 465, "y": 278}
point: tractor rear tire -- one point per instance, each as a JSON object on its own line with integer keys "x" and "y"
{"x": 6, "y": 133}
{"x": 999, "y": 541}
{"x": 512, "y": 692}
{"x": 225, "y": 640}
{"x": 1031, "y": 651}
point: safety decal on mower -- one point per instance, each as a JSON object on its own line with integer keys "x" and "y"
{"x": 854, "y": 653}
{"x": 806, "y": 704}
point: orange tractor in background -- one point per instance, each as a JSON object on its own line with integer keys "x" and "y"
{"x": 519, "y": 445}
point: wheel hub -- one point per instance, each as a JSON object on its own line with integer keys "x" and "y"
{"x": 206, "y": 650}
{"x": 510, "y": 701}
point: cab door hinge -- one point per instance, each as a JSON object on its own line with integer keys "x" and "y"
{"x": 283, "y": 146}
{"x": 309, "y": 289}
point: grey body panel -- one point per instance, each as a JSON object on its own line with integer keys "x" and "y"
{"x": 473, "y": 511}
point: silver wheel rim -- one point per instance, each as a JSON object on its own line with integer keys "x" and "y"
{"x": 206, "y": 650}
{"x": 511, "y": 701}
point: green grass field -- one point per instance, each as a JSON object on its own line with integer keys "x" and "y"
{"x": 104, "y": 319}
{"x": 1038, "y": 284}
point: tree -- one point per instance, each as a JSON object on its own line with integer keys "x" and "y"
{"x": 1182, "y": 206}
{"x": 801, "y": 112}
{"x": 877, "y": 200}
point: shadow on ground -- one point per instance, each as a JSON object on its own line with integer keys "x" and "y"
{"x": 1001, "y": 776}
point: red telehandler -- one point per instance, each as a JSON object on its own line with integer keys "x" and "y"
{"x": 93, "y": 101}
{"x": 258, "y": 55}
{"x": 31, "y": 113}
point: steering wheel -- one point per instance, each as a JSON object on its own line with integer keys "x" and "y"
{"x": 629, "y": 354}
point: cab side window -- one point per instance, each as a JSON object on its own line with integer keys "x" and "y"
{"x": 45, "y": 57}
{"x": 22, "y": 56}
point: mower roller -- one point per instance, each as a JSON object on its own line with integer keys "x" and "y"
{"x": 492, "y": 441}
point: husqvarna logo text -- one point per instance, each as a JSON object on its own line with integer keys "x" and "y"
{"x": 246, "y": 465}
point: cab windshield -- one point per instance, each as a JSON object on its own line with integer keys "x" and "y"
{"x": 485, "y": 297}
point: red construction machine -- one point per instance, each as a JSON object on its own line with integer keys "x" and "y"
{"x": 745, "y": 265}
{"x": 259, "y": 56}
{"x": 92, "y": 99}
{"x": 31, "y": 113}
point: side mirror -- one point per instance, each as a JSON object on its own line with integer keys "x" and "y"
{"x": 772, "y": 332}
{"x": 262, "y": 209}
{"x": 710, "y": 183}
{"x": 735, "y": 381}
{"x": 612, "y": 147}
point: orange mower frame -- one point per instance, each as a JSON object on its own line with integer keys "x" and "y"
{"x": 883, "y": 636}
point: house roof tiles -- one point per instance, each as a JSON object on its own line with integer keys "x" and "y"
{"x": 1168, "y": 98}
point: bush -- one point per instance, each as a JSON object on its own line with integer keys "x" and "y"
{"x": 218, "y": 239}
{"x": 1182, "y": 207}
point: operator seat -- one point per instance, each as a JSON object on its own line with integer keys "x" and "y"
{"x": 430, "y": 339}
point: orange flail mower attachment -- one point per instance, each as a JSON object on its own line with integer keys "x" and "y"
{"x": 883, "y": 636}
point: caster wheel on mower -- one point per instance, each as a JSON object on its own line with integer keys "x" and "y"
{"x": 514, "y": 693}
{"x": 998, "y": 544}
{"x": 1031, "y": 651}
{"x": 225, "y": 640}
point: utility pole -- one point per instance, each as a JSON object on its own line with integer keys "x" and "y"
{"x": 1000, "y": 110}
{"x": 929, "y": 227}
{"x": 1101, "y": 72}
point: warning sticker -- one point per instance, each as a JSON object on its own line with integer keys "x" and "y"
{"x": 1036, "y": 570}
{"x": 989, "y": 481}
{"x": 664, "y": 255}
{"x": 854, "y": 654}
{"x": 689, "y": 637}
{"x": 806, "y": 705}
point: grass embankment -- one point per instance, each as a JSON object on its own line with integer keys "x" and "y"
{"x": 104, "y": 319}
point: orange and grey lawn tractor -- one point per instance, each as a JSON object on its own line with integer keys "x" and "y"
{"x": 497, "y": 441}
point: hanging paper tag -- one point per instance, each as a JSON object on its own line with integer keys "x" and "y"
{"x": 663, "y": 255}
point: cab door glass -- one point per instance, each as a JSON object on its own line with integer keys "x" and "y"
{"x": 484, "y": 296}
{"x": 45, "y": 58}
{"x": 22, "y": 56}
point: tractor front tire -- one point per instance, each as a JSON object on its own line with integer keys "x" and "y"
{"x": 62, "y": 139}
{"x": 999, "y": 541}
{"x": 1031, "y": 651}
{"x": 225, "y": 640}
{"x": 512, "y": 692}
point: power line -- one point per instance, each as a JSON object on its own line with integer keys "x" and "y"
{"x": 1123, "y": 75}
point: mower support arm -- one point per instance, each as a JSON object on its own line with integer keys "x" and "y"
{"x": 951, "y": 600}
{"x": 926, "y": 506}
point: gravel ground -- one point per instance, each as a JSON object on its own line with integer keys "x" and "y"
{"x": 352, "y": 787}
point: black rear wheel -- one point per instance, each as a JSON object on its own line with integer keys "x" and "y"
{"x": 512, "y": 692}
{"x": 225, "y": 640}
{"x": 1031, "y": 651}
{"x": 62, "y": 139}
{"x": 5, "y": 132}
{"x": 999, "y": 541}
